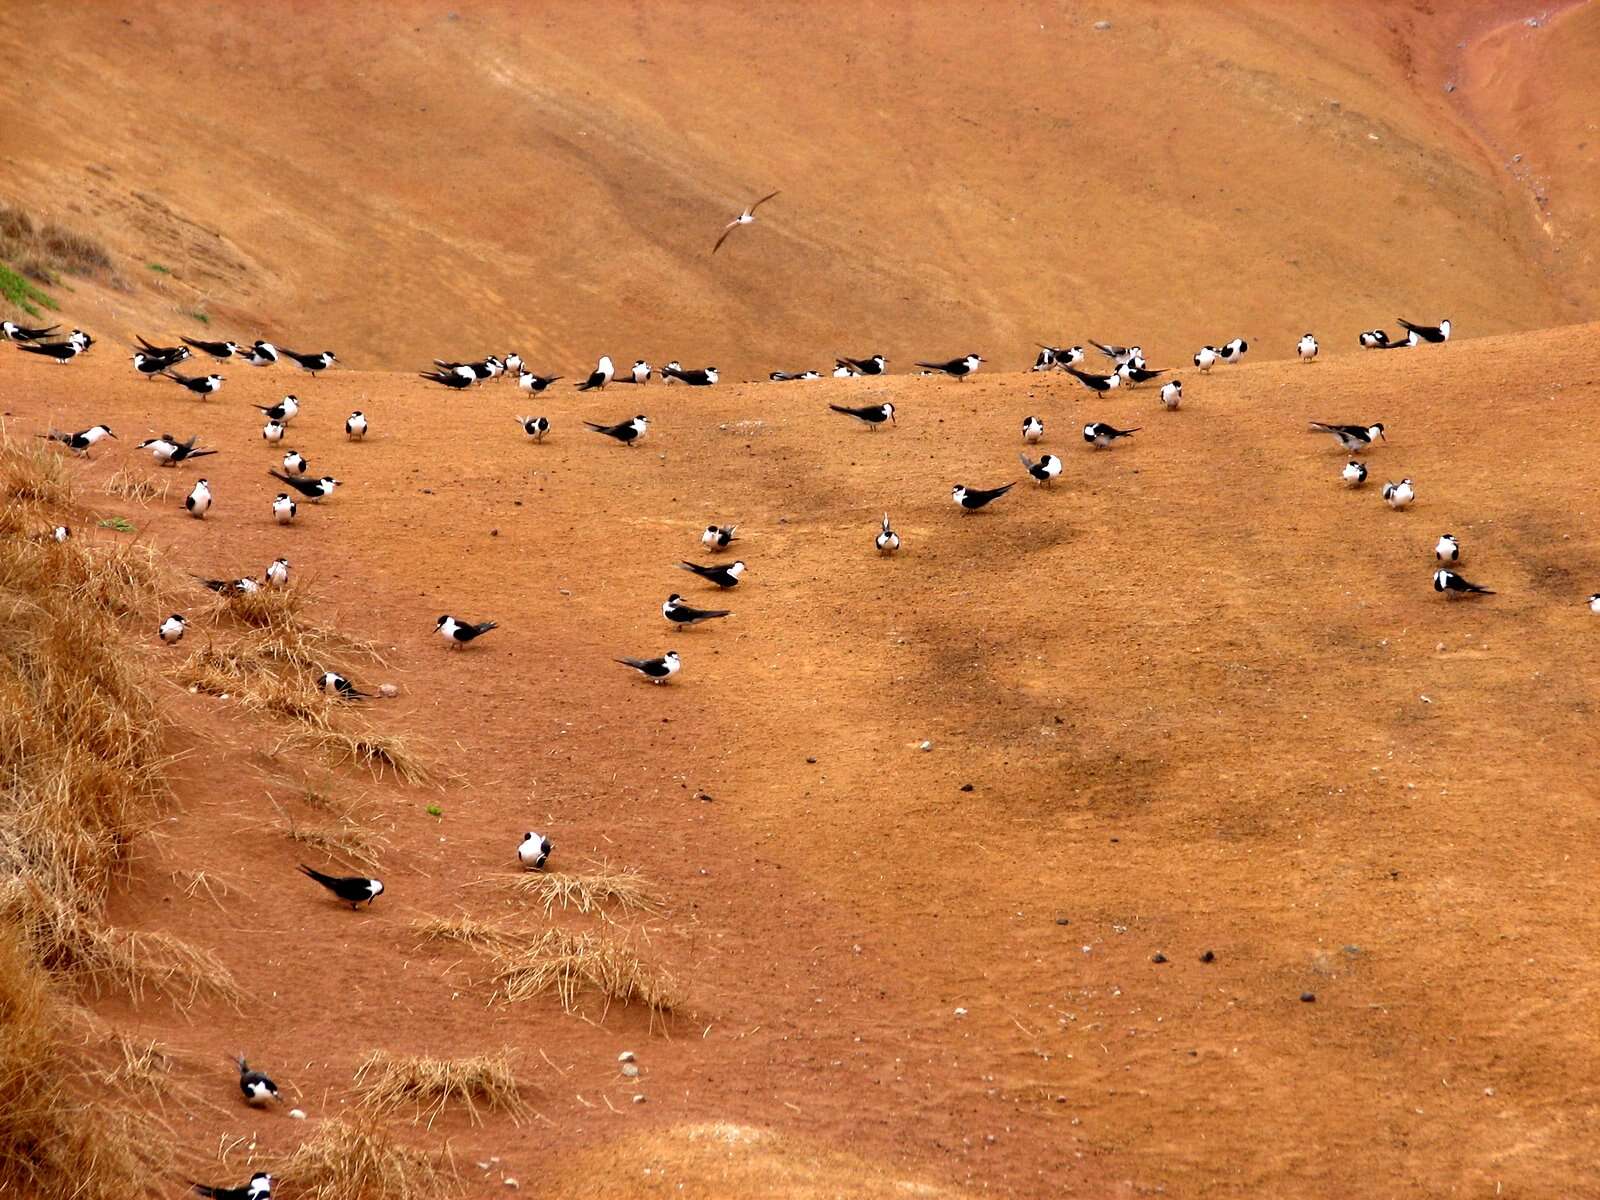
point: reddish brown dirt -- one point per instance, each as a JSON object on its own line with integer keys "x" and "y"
{"x": 454, "y": 176}
{"x": 1203, "y": 695}
{"x": 1204, "y": 698}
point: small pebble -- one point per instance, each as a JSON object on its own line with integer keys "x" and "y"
{"x": 1102, "y": 25}
{"x": 1063, "y": 920}
{"x": 925, "y": 746}
{"x": 297, "y": 1114}
{"x": 631, "y": 1070}
{"x": 1209, "y": 956}
{"x": 625, "y": 1056}
{"x": 961, "y": 1012}
{"x": 494, "y": 533}
{"x": 811, "y": 760}
{"x": 966, "y": 787}
{"x": 639, "y": 1099}
{"x": 388, "y": 691}
{"x": 511, "y": 1183}
{"x": 1308, "y": 997}
{"x": 1158, "y": 957}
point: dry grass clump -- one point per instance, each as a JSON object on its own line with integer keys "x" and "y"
{"x": 68, "y": 940}
{"x": 568, "y": 963}
{"x": 468, "y": 931}
{"x": 359, "y": 746}
{"x": 43, "y": 252}
{"x": 51, "y": 1142}
{"x": 344, "y": 830}
{"x": 360, "y": 1160}
{"x": 590, "y": 891}
{"x": 131, "y": 485}
{"x": 390, "y": 1082}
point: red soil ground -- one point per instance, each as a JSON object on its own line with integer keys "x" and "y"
{"x": 1202, "y": 694}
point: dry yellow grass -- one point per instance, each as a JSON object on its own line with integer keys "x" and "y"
{"x": 81, "y": 776}
{"x": 391, "y": 1082}
{"x": 131, "y": 485}
{"x": 589, "y": 891}
{"x": 568, "y": 963}
{"x": 346, "y": 830}
{"x": 361, "y": 1160}
{"x": 468, "y": 931}
{"x": 361, "y": 746}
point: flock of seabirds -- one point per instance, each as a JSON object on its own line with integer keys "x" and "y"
{"x": 1125, "y": 368}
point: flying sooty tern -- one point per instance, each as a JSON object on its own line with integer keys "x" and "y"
{"x": 535, "y": 427}
{"x": 355, "y": 426}
{"x": 872, "y": 415}
{"x": 1453, "y": 585}
{"x": 534, "y": 851}
{"x": 972, "y": 499}
{"x": 352, "y": 889}
{"x": 680, "y": 613}
{"x": 723, "y": 577}
{"x": 1354, "y": 438}
{"x": 1100, "y": 435}
{"x": 656, "y": 670}
{"x": 747, "y": 217}
{"x": 626, "y": 432}
{"x": 957, "y": 368}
